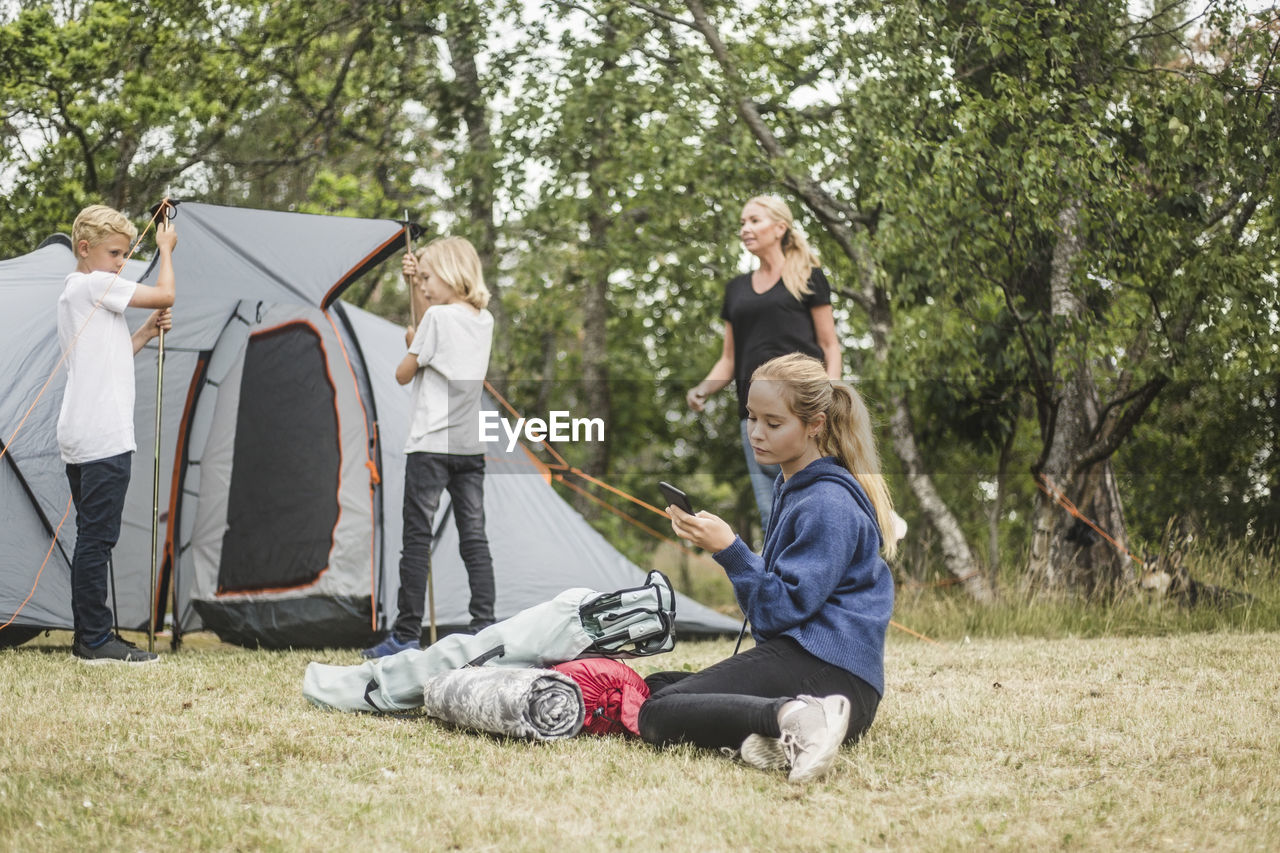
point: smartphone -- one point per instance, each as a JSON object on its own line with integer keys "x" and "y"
{"x": 675, "y": 497}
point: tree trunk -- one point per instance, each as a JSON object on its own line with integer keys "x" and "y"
{"x": 550, "y": 350}
{"x": 997, "y": 506}
{"x": 1067, "y": 555}
{"x": 956, "y": 554}
{"x": 463, "y": 38}
{"x": 595, "y": 343}
{"x": 592, "y": 286}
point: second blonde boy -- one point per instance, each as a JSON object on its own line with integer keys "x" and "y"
{"x": 447, "y": 360}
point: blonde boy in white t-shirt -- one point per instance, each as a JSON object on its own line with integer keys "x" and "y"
{"x": 446, "y": 362}
{"x": 95, "y": 425}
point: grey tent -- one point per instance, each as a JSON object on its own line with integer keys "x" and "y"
{"x": 281, "y": 463}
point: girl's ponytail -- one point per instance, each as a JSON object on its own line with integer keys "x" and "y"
{"x": 849, "y": 439}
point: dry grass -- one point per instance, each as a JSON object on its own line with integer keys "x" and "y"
{"x": 1138, "y": 743}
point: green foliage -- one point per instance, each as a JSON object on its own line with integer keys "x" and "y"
{"x": 242, "y": 103}
{"x": 989, "y": 119}
{"x": 634, "y": 195}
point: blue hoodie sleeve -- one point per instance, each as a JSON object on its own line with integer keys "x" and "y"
{"x": 815, "y": 555}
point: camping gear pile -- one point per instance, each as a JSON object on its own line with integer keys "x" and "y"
{"x": 445, "y": 678}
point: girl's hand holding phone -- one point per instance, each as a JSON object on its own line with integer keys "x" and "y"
{"x": 709, "y": 532}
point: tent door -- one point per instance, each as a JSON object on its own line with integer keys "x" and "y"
{"x": 282, "y": 504}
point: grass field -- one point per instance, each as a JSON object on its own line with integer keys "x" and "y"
{"x": 1140, "y": 743}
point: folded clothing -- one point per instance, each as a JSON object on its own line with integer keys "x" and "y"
{"x": 536, "y": 704}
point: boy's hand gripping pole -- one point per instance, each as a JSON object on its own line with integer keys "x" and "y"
{"x": 408, "y": 247}
{"x": 166, "y": 211}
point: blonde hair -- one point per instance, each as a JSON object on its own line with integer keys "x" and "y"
{"x": 798, "y": 259}
{"x": 97, "y": 222}
{"x": 847, "y": 433}
{"x": 454, "y": 261}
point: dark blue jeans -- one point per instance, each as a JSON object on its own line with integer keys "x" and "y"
{"x": 98, "y": 489}
{"x": 426, "y": 476}
{"x": 722, "y": 704}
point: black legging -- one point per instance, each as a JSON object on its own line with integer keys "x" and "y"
{"x": 722, "y": 704}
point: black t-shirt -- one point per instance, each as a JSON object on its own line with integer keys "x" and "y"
{"x": 767, "y": 325}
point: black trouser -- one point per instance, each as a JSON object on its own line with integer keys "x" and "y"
{"x": 722, "y": 704}
{"x": 427, "y": 475}
{"x": 97, "y": 489}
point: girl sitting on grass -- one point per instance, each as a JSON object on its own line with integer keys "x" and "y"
{"x": 819, "y": 597}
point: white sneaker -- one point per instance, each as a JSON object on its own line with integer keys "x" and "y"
{"x": 811, "y": 736}
{"x": 763, "y": 752}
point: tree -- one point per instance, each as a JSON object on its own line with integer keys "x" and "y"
{"x": 1050, "y": 225}
{"x": 1048, "y": 157}
{"x": 1136, "y": 175}
{"x": 622, "y": 236}
{"x": 251, "y": 102}
{"x": 846, "y": 224}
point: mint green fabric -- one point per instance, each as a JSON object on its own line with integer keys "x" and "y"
{"x": 538, "y": 636}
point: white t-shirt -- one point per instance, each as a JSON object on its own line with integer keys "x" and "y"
{"x": 452, "y": 346}
{"x": 96, "y": 420}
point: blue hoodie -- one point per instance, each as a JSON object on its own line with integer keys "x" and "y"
{"x": 821, "y": 579}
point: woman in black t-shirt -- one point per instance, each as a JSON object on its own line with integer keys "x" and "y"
{"x": 784, "y": 306}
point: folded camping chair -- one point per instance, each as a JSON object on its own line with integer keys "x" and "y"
{"x": 631, "y": 622}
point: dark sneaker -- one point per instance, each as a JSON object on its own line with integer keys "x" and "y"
{"x": 389, "y": 646}
{"x": 811, "y": 736}
{"x": 115, "y": 650}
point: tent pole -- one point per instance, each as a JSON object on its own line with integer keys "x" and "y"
{"x": 431, "y": 575}
{"x": 155, "y": 499}
{"x": 115, "y": 607}
{"x": 155, "y": 476}
{"x": 431, "y": 605}
{"x": 408, "y": 247}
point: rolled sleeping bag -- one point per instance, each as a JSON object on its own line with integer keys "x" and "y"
{"x": 612, "y": 693}
{"x": 535, "y": 704}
